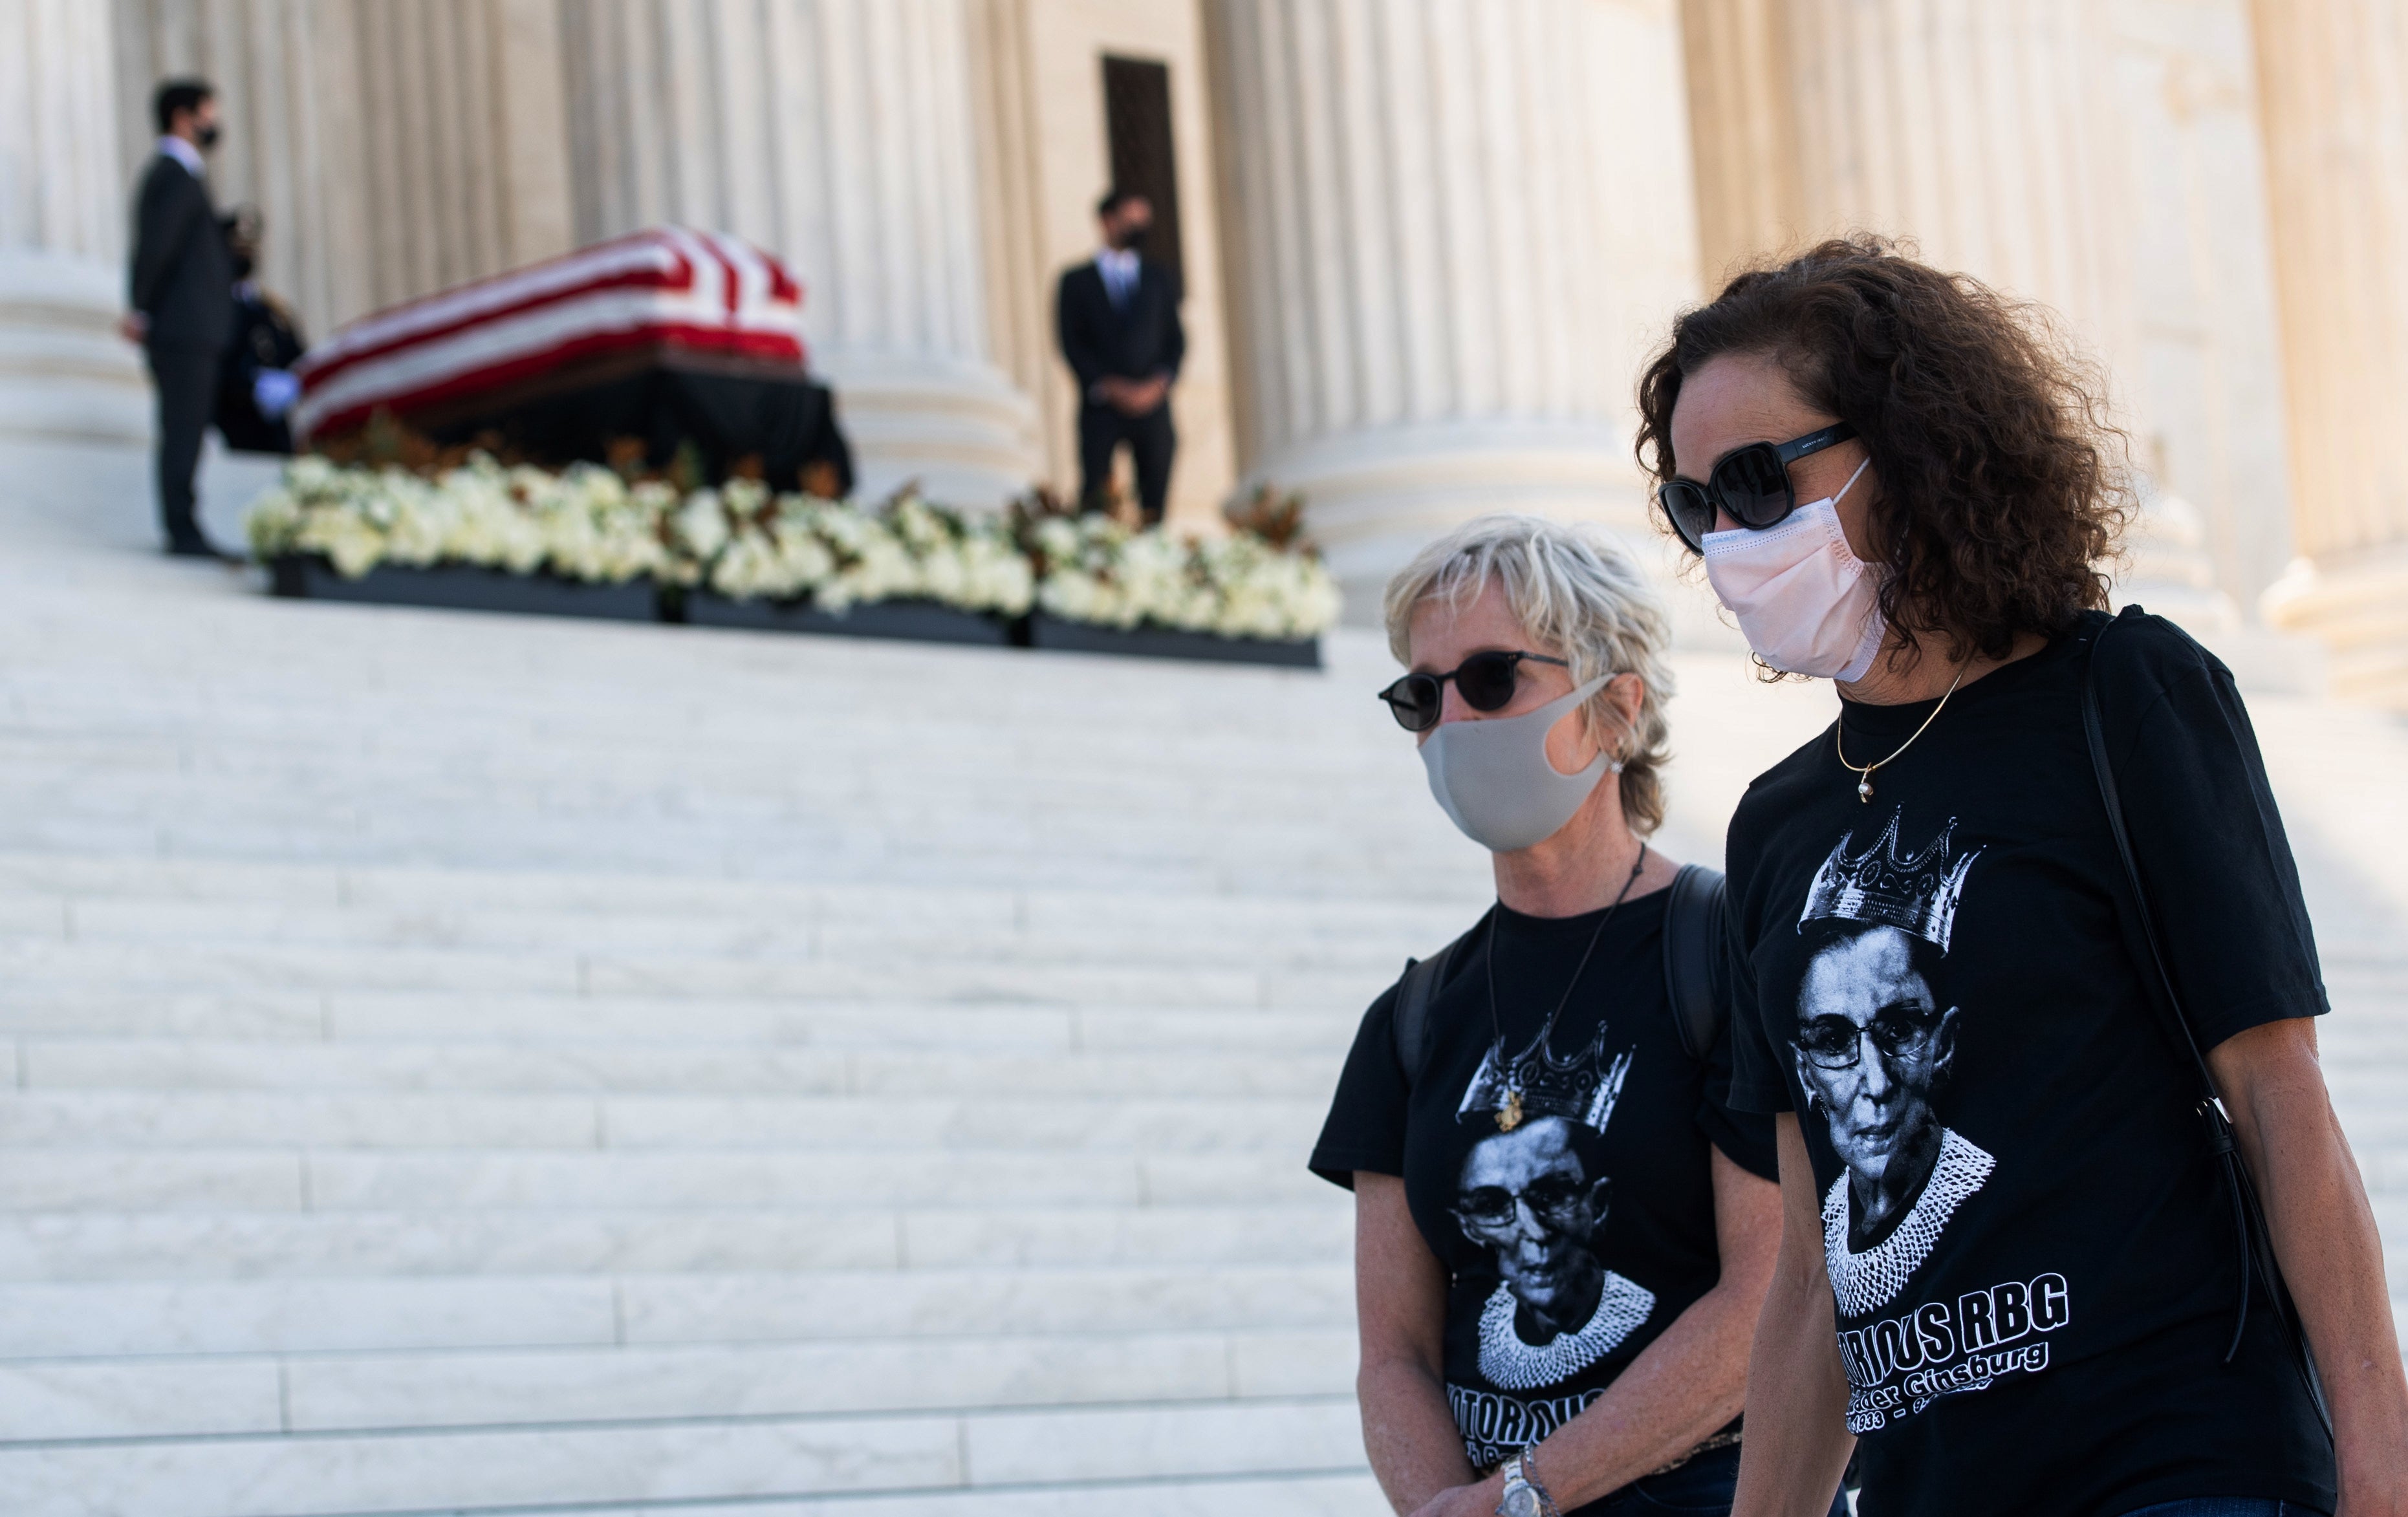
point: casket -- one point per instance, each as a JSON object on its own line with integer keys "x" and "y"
{"x": 666, "y": 300}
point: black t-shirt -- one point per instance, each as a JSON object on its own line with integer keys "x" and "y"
{"x": 2034, "y": 1271}
{"x": 1575, "y": 1233}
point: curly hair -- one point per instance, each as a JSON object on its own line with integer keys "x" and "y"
{"x": 2002, "y": 485}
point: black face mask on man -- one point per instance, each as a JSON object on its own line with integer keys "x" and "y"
{"x": 207, "y": 136}
{"x": 1132, "y": 238}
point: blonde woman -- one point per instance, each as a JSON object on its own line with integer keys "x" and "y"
{"x": 1563, "y": 1232}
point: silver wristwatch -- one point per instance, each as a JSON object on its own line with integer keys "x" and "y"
{"x": 1525, "y": 1496}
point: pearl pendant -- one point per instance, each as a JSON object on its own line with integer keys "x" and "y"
{"x": 1865, "y": 790}
{"x": 1510, "y": 1116}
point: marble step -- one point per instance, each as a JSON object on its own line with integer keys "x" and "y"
{"x": 1105, "y": 740}
{"x": 44, "y": 966}
{"x": 654, "y": 809}
{"x": 611, "y": 840}
{"x": 1225, "y": 969}
{"x": 651, "y": 1067}
{"x": 845, "y": 764}
{"x": 641, "y": 822}
{"x": 201, "y": 1179}
{"x": 52, "y": 1400}
{"x": 477, "y": 1017}
{"x": 796, "y": 1237}
{"x": 1131, "y": 734}
{"x": 933, "y": 935}
{"x": 185, "y": 1117}
{"x": 43, "y": 1320}
{"x": 1182, "y": 722}
{"x": 110, "y": 899}
{"x": 516, "y": 1468}
{"x": 652, "y": 895}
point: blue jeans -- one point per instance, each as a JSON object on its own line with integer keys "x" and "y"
{"x": 2226, "y": 1506}
{"x": 1702, "y": 1487}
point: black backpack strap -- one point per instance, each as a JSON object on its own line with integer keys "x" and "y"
{"x": 2248, "y": 1216}
{"x": 1693, "y": 934}
{"x": 1414, "y": 992}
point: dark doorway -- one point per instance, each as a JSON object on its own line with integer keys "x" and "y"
{"x": 1136, "y": 120}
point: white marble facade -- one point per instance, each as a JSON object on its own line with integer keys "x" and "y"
{"x": 2336, "y": 146}
{"x": 64, "y": 370}
{"x": 1429, "y": 240}
{"x": 1452, "y": 242}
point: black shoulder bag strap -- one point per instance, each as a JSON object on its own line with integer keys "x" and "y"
{"x": 1413, "y": 992}
{"x": 2256, "y": 1245}
{"x": 1693, "y": 933}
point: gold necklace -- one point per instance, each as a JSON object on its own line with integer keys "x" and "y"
{"x": 1864, "y": 772}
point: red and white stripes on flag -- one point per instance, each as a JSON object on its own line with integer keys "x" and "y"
{"x": 666, "y": 288}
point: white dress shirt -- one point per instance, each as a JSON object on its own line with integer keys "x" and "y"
{"x": 1118, "y": 265}
{"x": 172, "y": 146}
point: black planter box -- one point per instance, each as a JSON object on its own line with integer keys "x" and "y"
{"x": 911, "y": 621}
{"x": 466, "y": 587}
{"x": 1046, "y": 631}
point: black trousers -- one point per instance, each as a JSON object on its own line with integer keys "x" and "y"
{"x": 187, "y": 381}
{"x": 1151, "y": 442}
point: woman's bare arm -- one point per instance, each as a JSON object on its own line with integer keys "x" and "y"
{"x": 2326, "y": 1241}
{"x": 1797, "y": 1438}
{"x": 1680, "y": 1388}
{"x": 1688, "y": 1383}
{"x": 1401, "y": 1306}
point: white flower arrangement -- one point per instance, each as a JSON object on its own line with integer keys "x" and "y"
{"x": 1097, "y": 571}
{"x": 588, "y": 524}
{"x": 584, "y": 523}
{"x": 838, "y": 556}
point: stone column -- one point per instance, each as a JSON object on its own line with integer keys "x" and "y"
{"x": 64, "y": 372}
{"x": 839, "y": 134}
{"x": 2100, "y": 159}
{"x": 1452, "y": 231}
{"x": 2331, "y": 73}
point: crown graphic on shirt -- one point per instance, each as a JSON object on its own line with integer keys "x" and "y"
{"x": 1582, "y": 1087}
{"x": 1915, "y": 893}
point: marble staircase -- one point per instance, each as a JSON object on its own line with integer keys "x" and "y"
{"x": 463, "y": 1065}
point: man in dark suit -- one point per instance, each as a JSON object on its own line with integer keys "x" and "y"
{"x": 182, "y": 294}
{"x": 1117, "y": 319}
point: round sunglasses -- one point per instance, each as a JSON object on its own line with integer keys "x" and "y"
{"x": 1750, "y": 485}
{"x": 1485, "y": 680}
{"x": 1833, "y": 1042}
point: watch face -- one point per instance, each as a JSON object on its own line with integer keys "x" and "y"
{"x": 1521, "y": 1501}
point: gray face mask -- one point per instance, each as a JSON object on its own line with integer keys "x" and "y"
{"x": 1494, "y": 780}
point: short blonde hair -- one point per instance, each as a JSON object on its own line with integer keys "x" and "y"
{"x": 1577, "y": 595}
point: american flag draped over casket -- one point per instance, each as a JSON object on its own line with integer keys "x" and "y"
{"x": 669, "y": 295}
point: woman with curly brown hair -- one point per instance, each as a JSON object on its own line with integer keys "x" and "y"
{"x": 2018, "y": 953}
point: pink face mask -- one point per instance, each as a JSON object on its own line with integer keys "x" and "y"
{"x": 1806, "y": 603}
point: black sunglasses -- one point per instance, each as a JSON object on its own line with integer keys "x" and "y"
{"x": 1486, "y": 681}
{"x": 1750, "y": 485}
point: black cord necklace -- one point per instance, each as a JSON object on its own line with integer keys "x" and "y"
{"x": 1510, "y": 1115}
